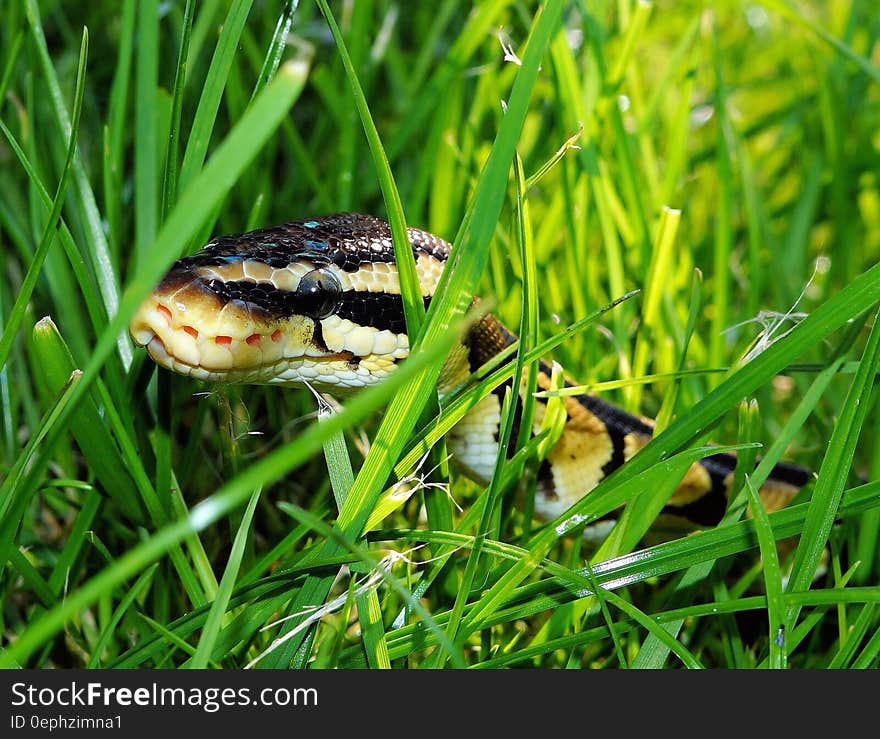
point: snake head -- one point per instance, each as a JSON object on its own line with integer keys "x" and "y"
{"x": 271, "y": 306}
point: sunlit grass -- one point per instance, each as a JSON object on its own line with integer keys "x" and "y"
{"x": 722, "y": 161}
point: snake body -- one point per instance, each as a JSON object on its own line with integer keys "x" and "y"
{"x": 318, "y": 302}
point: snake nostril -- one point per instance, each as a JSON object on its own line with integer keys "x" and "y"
{"x": 254, "y": 339}
{"x": 164, "y": 312}
{"x": 191, "y": 331}
{"x": 223, "y": 340}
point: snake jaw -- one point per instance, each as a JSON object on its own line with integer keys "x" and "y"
{"x": 187, "y": 329}
{"x": 190, "y": 332}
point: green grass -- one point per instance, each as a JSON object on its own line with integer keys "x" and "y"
{"x": 720, "y": 158}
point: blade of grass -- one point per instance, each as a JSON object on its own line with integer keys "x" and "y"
{"x": 15, "y": 496}
{"x": 868, "y": 656}
{"x": 16, "y": 315}
{"x": 373, "y": 630}
{"x": 656, "y": 284}
{"x": 209, "y": 101}
{"x": 341, "y": 479}
{"x": 221, "y": 602}
{"x": 528, "y": 326}
{"x": 276, "y": 47}
{"x": 131, "y": 594}
{"x": 848, "y": 647}
{"x": 723, "y": 238}
{"x": 98, "y": 249}
{"x": 172, "y": 164}
{"x": 29, "y": 574}
{"x": 115, "y": 128}
{"x": 76, "y": 264}
{"x": 146, "y": 178}
{"x": 466, "y": 586}
{"x": 834, "y": 470}
{"x": 79, "y": 534}
{"x": 772, "y": 579}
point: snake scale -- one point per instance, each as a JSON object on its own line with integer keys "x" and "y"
{"x": 318, "y": 302}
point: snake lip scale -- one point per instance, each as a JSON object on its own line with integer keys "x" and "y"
{"x": 318, "y": 302}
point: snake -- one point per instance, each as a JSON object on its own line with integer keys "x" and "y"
{"x": 318, "y": 302}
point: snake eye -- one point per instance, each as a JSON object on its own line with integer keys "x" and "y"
{"x": 318, "y": 293}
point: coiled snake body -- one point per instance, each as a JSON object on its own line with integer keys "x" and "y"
{"x": 319, "y": 302}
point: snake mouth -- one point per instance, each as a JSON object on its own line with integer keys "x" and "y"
{"x": 193, "y": 334}
{"x": 265, "y": 373}
{"x": 187, "y": 328}
{"x": 256, "y": 358}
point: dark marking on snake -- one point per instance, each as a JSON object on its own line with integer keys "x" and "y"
{"x": 318, "y": 337}
{"x": 381, "y": 311}
{"x": 706, "y": 510}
